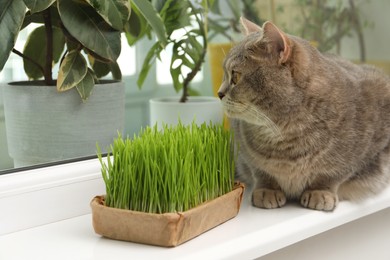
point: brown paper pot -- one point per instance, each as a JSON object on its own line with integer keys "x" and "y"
{"x": 168, "y": 229}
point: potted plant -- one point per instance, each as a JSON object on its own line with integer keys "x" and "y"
{"x": 166, "y": 187}
{"x": 84, "y": 37}
{"x": 186, "y": 26}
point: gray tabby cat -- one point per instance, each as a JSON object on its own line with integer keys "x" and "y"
{"x": 309, "y": 126}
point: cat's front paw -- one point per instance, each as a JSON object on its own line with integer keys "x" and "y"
{"x": 268, "y": 199}
{"x": 319, "y": 200}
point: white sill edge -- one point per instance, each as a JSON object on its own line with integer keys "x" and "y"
{"x": 48, "y": 177}
{"x": 37, "y": 190}
{"x": 45, "y": 195}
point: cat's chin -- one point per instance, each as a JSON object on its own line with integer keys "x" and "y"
{"x": 243, "y": 117}
{"x": 234, "y": 109}
{"x": 264, "y": 124}
{"x": 236, "y": 115}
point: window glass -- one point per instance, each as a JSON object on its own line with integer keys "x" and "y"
{"x": 130, "y": 62}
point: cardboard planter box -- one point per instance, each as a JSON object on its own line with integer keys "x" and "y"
{"x": 168, "y": 229}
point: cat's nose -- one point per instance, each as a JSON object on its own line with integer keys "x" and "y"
{"x": 221, "y": 95}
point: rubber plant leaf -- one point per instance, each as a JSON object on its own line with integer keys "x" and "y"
{"x": 90, "y": 29}
{"x": 38, "y": 17}
{"x": 115, "y": 12}
{"x": 101, "y": 69}
{"x": 72, "y": 70}
{"x": 35, "y": 48}
{"x": 115, "y": 71}
{"x": 11, "y": 18}
{"x": 38, "y": 5}
{"x": 85, "y": 86}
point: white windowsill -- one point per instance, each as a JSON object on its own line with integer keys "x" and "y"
{"x": 45, "y": 215}
{"x": 41, "y": 196}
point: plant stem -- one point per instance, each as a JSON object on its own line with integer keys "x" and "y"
{"x": 358, "y": 28}
{"x": 190, "y": 76}
{"x": 47, "y": 73}
{"x": 29, "y": 59}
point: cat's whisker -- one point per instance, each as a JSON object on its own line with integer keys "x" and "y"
{"x": 269, "y": 123}
{"x": 223, "y": 51}
{"x": 254, "y": 115}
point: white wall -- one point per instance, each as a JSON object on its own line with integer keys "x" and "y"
{"x": 377, "y": 36}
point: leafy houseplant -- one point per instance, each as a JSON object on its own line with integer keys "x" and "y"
{"x": 84, "y": 37}
{"x": 186, "y": 25}
{"x": 79, "y": 26}
{"x": 185, "y": 22}
{"x": 189, "y": 48}
{"x": 166, "y": 174}
{"x": 91, "y": 27}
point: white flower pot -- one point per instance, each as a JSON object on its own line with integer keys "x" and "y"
{"x": 169, "y": 110}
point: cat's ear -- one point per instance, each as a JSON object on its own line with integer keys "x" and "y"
{"x": 279, "y": 40}
{"x": 249, "y": 27}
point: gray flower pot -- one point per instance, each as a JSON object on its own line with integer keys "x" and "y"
{"x": 43, "y": 125}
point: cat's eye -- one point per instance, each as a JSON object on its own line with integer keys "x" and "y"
{"x": 235, "y": 77}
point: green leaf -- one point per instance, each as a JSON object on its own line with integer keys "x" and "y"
{"x": 176, "y": 71}
{"x": 35, "y": 48}
{"x": 192, "y": 92}
{"x": 153, "y": 18}
{"x": 115, "y": 70}
{"x": 38, "y": 17}
{"x": 186, "y": 53}
{"x": 235, "y": 8}
{"x": 176, "y": 76}
{"x": 115, "y": 12}
{"x": 214, "y": 7}
{"x": 153, "y": 53}
{"x": 85, "y": 25}
{"x": 32, "y": 18}
{"x": 38, "y": 5}
{"x": 136, "y": 27}
{"x": 195, "y": 44}
{"x": 85, "y": 86}
{"x": 72, "y": 45}
{"x": 72, "y": 70}
{"x": 101, "y": 69}
{"x": 96, "y": 56}
{"x": 175, "y": 15}
{"x": 11, "y": 18}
